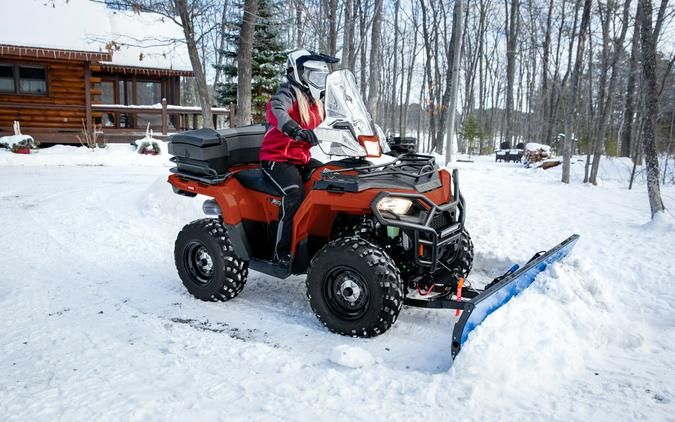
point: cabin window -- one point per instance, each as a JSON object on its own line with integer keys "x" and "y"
{"x": 7, "y": 78}
{"x": 148, "y": 92}
{"x": 32, "y": 80}
{"x": 107, "y": 91}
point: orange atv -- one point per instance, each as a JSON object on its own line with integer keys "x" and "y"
{"x": 366, "y": 235}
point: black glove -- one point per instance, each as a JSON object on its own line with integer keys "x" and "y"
{"x": 306, "y": 135}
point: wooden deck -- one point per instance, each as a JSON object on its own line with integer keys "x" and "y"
{"x": 173, "y": 119}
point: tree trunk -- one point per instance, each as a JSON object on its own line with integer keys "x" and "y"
{"x": 651, "y": 108}
{"x": 397, "y": 4}
{"x": 221, "y": 44}
{"x": 456, "y": 47}
{"x": 511, "y": 46}
{"x": 429, "y": 50}
{"x": 607, "y": 106}
{"x": 544, "y": 76}
{"x": 408, "y": 83}
{"x": 195, "y": 61}
{"x": 299, "y": 33}
{"x": 572, "y": 96}
{"x": 375, "y": 45}
{"x": 244, "y": 70}
{"x": 363, "y": 17}
{"x": 629, "y": 105}
{"x": 348, "y": 36}
{"x": 331, "y": 15}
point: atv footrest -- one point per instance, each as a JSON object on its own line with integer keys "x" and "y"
{"x": 270, "y": 268}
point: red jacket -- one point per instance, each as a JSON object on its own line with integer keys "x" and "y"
{"x": 283, "y": 113}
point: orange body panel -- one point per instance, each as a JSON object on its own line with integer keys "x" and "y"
{"x": 316, "y": 213}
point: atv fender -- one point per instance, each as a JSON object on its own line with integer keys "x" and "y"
{"x": 235, "y": 232}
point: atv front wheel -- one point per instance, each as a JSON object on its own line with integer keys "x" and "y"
{"x": 354, "y": 288}
{"x": 460, "y": 261}
{"x": 206, "y": 261}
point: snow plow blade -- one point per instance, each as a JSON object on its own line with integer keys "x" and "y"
{"x": 502, "y": 289}
{"x": 478, "y": 305}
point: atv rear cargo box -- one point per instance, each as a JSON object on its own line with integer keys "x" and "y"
{"x": 209, "y": 153}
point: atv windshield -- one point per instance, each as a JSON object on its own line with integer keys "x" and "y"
{"x": 346, "y": 117}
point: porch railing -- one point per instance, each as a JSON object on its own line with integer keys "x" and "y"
{"x": 176, "y": 118}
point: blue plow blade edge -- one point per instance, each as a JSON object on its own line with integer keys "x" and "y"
{"x": 515, "y": 281}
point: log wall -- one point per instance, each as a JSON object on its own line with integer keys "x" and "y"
{"x": 64, "y": 105}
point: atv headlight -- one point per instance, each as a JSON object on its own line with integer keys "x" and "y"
{"x": 394, "y": 205}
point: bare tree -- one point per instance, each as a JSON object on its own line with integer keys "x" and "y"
{"x": 651, "y": 106}
{"x": 187, "y": 18}
{"x": 244, "y": 56}
{"x": 185, "y": 14}
{"x": 572, "y": 95}
{"x": 374, "y": 80}
{"x": 220, "y": 41}
{"x": 606, "y": 105}
{"x": 348, "y": 36}
{"x": 456, "y": 49}
{"x": 511, "y": 25}
{"x": 629, "y": 103}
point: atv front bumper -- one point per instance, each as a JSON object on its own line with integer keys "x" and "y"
{"x": 437, "y": 228}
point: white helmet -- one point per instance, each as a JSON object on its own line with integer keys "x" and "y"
{"x": 309, "y": 70}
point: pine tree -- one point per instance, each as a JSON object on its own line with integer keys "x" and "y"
{"x": 268, "y": 61}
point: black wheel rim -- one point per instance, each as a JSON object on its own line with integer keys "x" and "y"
{"x": 198, "y": 262}
{"x": 346, "y": 293}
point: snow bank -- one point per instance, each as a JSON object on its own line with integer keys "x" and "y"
{"x": 663, "y": 222}
{"x": 613, "y": 170}
{"x": 159, "y": 203}
{"x": 66, "y": 155}
{"x": 351, "y": 356}
{"x": 562, "y": 319}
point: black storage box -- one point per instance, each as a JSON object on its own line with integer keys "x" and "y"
{"x": 207, "y": 152}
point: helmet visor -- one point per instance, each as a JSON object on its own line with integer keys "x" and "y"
{"x": 316, "y": 78}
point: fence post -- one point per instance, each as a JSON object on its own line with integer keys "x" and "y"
{"x": 165, "y": 118}
{"x": 232, "y": 115}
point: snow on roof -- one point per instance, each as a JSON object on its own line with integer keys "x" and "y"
{"x": 135, "y": 39}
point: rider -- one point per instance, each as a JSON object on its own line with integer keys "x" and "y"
{"x": 293, "y": 112}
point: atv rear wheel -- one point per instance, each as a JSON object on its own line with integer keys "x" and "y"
{"x": 354, "y": 288}
{"x": 206, "y": 261}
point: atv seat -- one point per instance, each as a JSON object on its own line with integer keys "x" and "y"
{"x": 254, "y": 179}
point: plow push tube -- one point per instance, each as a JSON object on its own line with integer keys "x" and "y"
{"x": 480, "y": 306}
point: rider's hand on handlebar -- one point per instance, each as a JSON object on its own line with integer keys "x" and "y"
{"x": 306, "y": 135}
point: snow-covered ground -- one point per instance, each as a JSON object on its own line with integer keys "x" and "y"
{"x": 95, "y": 324}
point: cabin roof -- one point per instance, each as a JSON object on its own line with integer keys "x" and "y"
{"x": 87, "y": 30}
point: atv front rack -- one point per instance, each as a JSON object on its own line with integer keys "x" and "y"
{"x": 413, "y": 171}
{"x": 480, "y": 304}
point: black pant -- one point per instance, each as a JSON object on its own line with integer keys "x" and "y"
{"x": 289, "y": 179}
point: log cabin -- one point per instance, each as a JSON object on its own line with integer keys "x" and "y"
{"x": 65, "y": 66}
